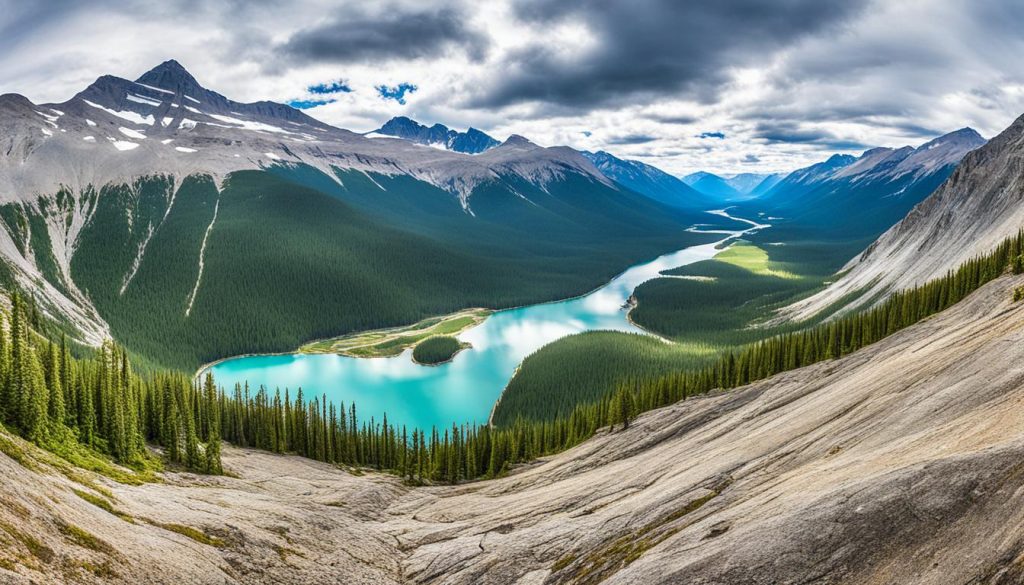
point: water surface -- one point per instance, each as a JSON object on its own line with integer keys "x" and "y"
{"x": 465, "y": 389}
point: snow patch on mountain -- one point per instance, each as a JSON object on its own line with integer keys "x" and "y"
{"x": 125, "y": 115}
{"x": 231, "y": 136}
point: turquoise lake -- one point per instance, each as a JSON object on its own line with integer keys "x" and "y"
{"x": 465, "y": 389}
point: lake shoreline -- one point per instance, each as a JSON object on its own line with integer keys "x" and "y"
{"x": 493, "y": 312}
{"x": 729, "y": 240}
{"x": 475, "y": 386}
{"x": 441, "y": 363}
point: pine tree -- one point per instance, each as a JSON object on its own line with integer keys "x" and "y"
{"x": 36, "y": 403}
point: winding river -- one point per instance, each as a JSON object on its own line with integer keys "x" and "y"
{"x": 466, "y": 388}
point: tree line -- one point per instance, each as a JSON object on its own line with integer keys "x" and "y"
{"x": 47, "y": 396}
{"x": 318, "y": 430}
{"x": 51, "y": 398}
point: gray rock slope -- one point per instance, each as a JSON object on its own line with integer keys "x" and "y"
{"x": 900, "y": 463}
{"x": 977, "y": 207}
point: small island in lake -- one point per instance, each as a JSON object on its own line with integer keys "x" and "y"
{"x": 437, "y": 350}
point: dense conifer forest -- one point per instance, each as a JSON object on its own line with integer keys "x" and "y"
{"x": 62, "y": 403}
{"x": 437, "y": 349}
{"x": 291, "y": 255}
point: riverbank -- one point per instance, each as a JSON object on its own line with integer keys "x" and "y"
{"x": 393, "y": 341}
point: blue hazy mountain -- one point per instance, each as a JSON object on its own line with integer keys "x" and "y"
{"x": 712, "y": 185}
{"x": 648, "y": 180}
{"x": 733, "y": 187}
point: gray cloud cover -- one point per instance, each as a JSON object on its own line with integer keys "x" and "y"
{"x": 385, "y": 33}
{"x": 651, "y": 47}
{"x": 786, "y": 82}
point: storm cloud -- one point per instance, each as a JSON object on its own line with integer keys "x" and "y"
{"x": 385, "y": 33}
{"x": 646, "y": 48}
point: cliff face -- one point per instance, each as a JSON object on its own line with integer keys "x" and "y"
{"x": 977, "y": 207}
{"x": 900, "y": 463}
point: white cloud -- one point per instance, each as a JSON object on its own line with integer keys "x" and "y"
{"x": 889, "y": 75}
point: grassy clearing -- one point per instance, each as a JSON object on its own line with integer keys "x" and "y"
{"x": 717, "y": 302}
{"x": 391, "y": 342}
{"x": 750, "y": 257}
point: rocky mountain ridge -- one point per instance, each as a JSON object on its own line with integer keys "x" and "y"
{"x": 116, "y": 129}
{"x": 855, "y": 199}
{"x": 471, "y": 141}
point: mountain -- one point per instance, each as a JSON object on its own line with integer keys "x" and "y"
{"x": 189, "y": 226}
{"x": 766, "y": 184}
{"x": 976, "y": 207}
{"x": 712, "y": 185}
{"x": 811, "y": 176}
{"x": 733, "y": 187}
{"x": 860, "y": 197}
{"x": 746, "y": 183}
{"x": 648, "y": 180}
{"x": 471, "y": 141}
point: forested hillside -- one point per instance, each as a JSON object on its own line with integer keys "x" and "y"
{"x": 186, "y": 271}
{"x": 79, "y": 408}
{"x": 582, "y": 380}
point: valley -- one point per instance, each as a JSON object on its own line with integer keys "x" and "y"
{"x": 385, "y": 380}
{"x": 741, "y": 324}
{"x": 879, "y": 435}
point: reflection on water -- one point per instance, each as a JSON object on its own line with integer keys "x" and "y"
{"x": 465, "y": 389}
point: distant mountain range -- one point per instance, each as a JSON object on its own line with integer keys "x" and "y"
{"x": 734, "y": 187}
{"x": 979, "y": 204}
{"x": 471, "y": 141}
{"x": 860, "y": 197}
{"x": 650, "y": 181}
{"x": 640, "y": 177}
